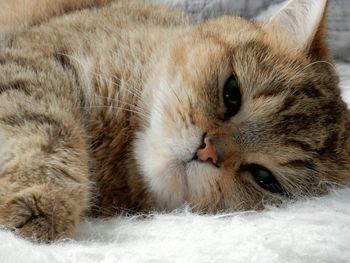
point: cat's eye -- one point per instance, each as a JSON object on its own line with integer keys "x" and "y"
{"x": 232, "y": 97}
{"x": 264, "y": 178}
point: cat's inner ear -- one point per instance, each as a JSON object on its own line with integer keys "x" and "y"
{"x": 299, "y": 23}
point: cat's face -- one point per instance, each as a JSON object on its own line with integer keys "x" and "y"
{"x": 237, "y": 117}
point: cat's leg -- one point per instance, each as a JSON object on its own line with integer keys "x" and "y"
{"x": 44, "y": 185}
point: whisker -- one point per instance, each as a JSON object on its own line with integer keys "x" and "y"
{"x": 317, "y": 62}
{"x": 118, "y": 101}
{"x": 118, "y": 108}
{"x": 135, "y": 92}
{"x": 109, "y": 79}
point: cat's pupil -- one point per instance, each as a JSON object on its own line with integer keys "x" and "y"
{"x": 232, "y": 96}
{"x": 264, "y": 178}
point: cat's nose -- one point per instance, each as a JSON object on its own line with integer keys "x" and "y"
{"x": 208, "y": 152}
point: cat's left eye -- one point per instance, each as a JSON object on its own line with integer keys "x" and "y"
{"x": 232, "y": 97}
{"x": 264, "y": 178}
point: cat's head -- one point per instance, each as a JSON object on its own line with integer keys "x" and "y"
{"x": 242, "y": 112}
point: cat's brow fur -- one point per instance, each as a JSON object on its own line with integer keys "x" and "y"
{"x": 100, "y": 108}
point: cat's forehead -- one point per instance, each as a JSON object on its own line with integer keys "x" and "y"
{"x": 231, "y": 44}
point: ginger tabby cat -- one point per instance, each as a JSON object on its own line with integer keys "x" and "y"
{"x": 108, "y": 106}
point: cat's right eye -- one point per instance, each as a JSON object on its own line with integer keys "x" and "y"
{"x": 232, "y": 97}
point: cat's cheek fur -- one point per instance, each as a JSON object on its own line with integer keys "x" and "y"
{"x": 156, "y": 161}
{"x": 203, "y": 180}
{"x": 166, "y": 148}
{"x": 5, "y": 154}
{"x": 160, "y": 151}
{"x": 164, "y": 178}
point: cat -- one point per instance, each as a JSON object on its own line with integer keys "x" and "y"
{"x": 129, "y": 106}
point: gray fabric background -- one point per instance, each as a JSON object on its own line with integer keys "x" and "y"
{"x": 338, "y": 18}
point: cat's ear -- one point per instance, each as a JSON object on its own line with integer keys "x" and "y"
{"x": 302, "y": 25}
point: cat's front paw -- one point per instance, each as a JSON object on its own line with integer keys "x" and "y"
{"x": 41, "y": 214}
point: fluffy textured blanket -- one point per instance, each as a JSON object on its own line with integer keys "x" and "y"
{"x": 314, "y": 230}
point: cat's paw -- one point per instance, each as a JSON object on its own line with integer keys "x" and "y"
{"x": 41, "y": 214}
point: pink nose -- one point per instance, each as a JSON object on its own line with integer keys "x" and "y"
{"x": 208, "y": 152}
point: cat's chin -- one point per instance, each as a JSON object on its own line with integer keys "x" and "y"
{"x": 184, "y": 183}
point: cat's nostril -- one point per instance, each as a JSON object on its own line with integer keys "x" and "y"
{"x": 203, "y": 141}
{"x": 207, "y": 152}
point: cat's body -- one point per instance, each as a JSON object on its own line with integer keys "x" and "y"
{"x": 110, "y": 109}
{"x": 91, "y": 80}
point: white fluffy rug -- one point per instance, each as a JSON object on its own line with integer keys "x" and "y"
{"x": 314, "y": 230}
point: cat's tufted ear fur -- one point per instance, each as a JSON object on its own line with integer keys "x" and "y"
{"x": 302, "y": 25}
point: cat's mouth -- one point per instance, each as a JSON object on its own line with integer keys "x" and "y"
{"x": 197, "y": 160}
{"x": 196, "y": 167}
